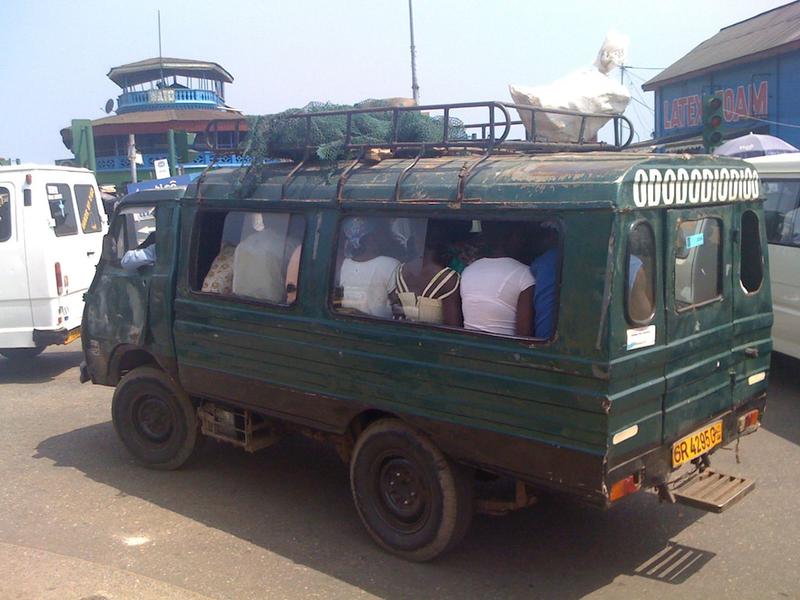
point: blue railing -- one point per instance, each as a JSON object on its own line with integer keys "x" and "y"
{"x": 167, "y": 98}
{"x": 203, "y": 159}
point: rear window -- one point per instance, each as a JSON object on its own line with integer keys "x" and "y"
{"x": 781, "y": 213}
{"x": 86, "y": 198}
{"x": 59, "y": 197}
{"x": 641, "y": 281}
{"x": 5, "y": 214}
{"x": 698, "y": 260}
{"x": 751, "y": 261}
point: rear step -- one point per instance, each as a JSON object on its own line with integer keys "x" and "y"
{"x": 713, "y": 491}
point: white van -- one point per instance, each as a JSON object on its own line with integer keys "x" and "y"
{"x": 51, "y": 236}
{"x": 780, "y": 182}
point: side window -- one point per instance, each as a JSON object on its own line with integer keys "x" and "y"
{"x": 698, "y": 260}
{"x": 640, "y": 279}
{"x": 59, "y": 197}
{"x": 248, "y": 255}
{"x": 5, "y": 214}
{"x": 751, "y": 260}
{"x": 134, "y": 228}
{"x": 495, "y": 277}
{"x": 782, "y": 211}
{"x": 86, "y": 198}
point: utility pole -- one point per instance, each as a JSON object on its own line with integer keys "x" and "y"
{"x": 414, "y": 85}
{"x": 132, "y": 156}
{"x": 160, "y": 58}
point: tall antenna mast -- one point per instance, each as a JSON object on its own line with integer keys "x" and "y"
{"x": 160, "y": 59}
{"x": 414, "y": 85}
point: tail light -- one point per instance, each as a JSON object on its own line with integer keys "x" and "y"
{"x": 623, "y": 487}
{"x": 59, "y": 279}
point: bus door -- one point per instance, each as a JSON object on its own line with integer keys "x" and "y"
{"x": 752, "y": 302}
{"x": 699, "y": 307}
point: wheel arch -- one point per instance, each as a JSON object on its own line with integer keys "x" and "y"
{"x": 125, "y": 358}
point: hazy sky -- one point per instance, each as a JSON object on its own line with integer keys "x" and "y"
{"x": 283, "y": 54}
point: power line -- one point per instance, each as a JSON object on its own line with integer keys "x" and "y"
{"x": 752, "y": 118}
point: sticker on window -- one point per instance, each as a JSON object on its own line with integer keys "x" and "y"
{"x": 694, "y": 240}
{"x": 641, "y": 337}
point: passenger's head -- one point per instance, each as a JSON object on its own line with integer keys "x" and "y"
{"x": 503, "y": 238}
{"x": 360, "y": 241}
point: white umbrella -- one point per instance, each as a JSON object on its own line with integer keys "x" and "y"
{"x": 754, "y": 144}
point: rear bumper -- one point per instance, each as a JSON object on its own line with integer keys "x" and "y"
{"x": 50, "y": 337}
{"x": 655, "y": 466}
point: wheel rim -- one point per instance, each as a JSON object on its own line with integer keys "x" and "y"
{"x": 153, "y": 418}
{"x": 403, "y": 496}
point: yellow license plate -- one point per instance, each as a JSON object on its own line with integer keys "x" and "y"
{"x": 73, "y": 335}
{"x": 697, "y": 443}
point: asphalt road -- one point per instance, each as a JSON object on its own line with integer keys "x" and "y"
{"x": 78, "y": 519}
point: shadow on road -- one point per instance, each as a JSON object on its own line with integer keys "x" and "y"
{"x": 293, "y": 499}
{"x": 783, "y": 403}
{"x": 45, "y": 367}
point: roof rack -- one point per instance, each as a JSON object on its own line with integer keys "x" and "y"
{"x": 490, "y": 133}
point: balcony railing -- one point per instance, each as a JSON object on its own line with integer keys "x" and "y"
{"x": 202, "y": 159}
{"x": 159, "y": 99}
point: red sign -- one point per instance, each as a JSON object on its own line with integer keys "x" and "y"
{"x": 742, "y": 103}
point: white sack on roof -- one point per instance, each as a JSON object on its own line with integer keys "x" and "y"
{"x": 588, "y": 90}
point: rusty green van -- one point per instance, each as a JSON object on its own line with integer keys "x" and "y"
{"x": 637, "y": 384}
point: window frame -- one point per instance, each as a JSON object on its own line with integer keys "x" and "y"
{"x": 95, "y": 211}
{"x": 720, "y": 263}
{"x": 192, "y": 272}
{"x": 478, "y": 335}
{"x": 781, "y": 180}
{"x": 129, "y": 234}
{"x": 654, "y": 278}
{"x": 10, "y": 214}
{"x": 760, "y": 252}
{"x": 72, "y": 206}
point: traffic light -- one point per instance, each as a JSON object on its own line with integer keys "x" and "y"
{"x": 712, "y": 121}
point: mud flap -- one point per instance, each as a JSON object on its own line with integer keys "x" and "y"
{"x": 713, "y": 491}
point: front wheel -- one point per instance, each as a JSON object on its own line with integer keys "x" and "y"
{"x": 155, "y": 419}
{"x": 412, "y": 499}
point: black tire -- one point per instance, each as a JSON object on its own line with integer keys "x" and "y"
{"x": 22, "y": 354}
{"x": 155, "y": 419}
{"x": 412, "y": 499}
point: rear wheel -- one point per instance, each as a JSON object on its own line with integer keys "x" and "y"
{"x": 413, "y": 500}
{"x": 155, "y": 419}
{"x": 21, "y": 354}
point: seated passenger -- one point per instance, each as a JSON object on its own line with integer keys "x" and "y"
{"x": 366, "y": 276}
{"x": 497, "y": 291}
{"x": 219, "y": 279}
{"x": 544, "y": 269}
{"x": 144, "y": 255}
{"x": 426, "y": 291}
{"x": 258, "y": 260}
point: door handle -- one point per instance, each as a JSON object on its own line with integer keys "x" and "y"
{"x": 90, "y": 253}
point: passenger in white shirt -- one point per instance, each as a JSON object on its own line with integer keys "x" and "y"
{"x": 366, "y": 277}
{"x": 497, "y": 291}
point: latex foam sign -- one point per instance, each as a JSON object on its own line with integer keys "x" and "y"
{"x": 641, "y": 337}
{"x": 676, "y": 187}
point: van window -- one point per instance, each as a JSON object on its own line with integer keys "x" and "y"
{"x": 5, "y": 214}
{"x": 752, "y": 269}
{"x": 87, "y": 208}
{"x": 641, "y": 280}
{"x": 59, "y": 197}
{"x": 134, "y": 227}
{"x": 698, "y": 260}
{"x": 248, "y": 255}
{"x": 476, "y": 275}
{"x": 782, "y": 211}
